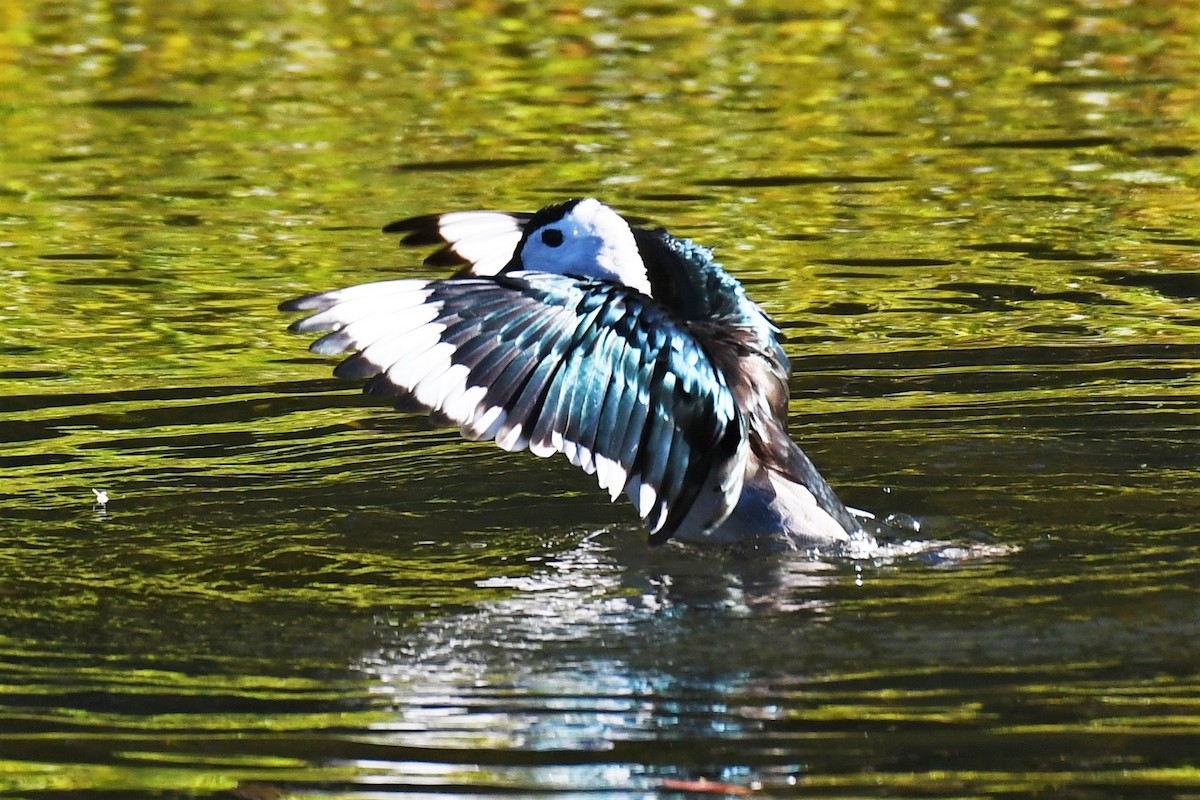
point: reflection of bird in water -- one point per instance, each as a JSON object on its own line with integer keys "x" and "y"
{"x": 628, "y": 350}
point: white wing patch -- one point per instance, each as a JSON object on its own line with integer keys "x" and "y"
{"x": 486, "y": 239}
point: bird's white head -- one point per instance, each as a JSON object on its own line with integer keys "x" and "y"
{"x": 586, "y": 238}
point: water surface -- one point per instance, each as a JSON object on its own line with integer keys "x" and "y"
{"x": 977, "y": 227}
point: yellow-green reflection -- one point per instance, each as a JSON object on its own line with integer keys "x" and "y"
{"x": 976, "y": 224}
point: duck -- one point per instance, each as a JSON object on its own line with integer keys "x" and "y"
{"x": 633, "y": 353}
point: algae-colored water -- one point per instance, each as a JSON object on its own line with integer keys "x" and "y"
{"x": 976, "y": 224}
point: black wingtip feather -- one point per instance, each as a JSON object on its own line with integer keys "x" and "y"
{"x": 306, "y": 324}
{"x": 409, "y": 223}
{"x": 445, "y": 257}
{"x": 422, "y": 230}
{"x": 380, "y": 386}
{"x": 402, "y": 400}
{"x": 331, "y": 343}
{"x": 308, "y": 302}
{"x": 355, "y": 368}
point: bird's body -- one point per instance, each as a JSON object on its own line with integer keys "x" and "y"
{"x": 628, "y": 350}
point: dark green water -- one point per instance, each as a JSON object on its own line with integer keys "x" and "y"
{"x": 977, "y": 224}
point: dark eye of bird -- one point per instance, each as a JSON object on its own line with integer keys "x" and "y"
{"x": 552, "y": 237}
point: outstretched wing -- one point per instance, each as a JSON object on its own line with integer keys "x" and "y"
{"x": 552, "y": 363}
{"x": 482, "y": 242}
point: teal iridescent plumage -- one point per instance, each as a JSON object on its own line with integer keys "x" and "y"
{"x": 698, "y": 288}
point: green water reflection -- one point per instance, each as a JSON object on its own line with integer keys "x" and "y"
{"x": 976, "y": 224}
